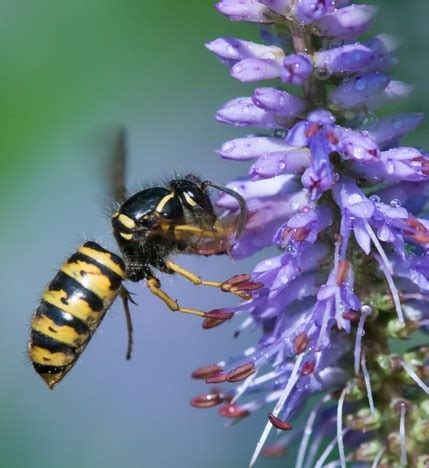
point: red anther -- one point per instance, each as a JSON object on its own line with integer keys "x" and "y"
{"x": 343, "y": 269}
{"x": 279, "y": 423}
{"x": 250, "y": 286}
{"x": 217, "y": 378}
{"x": 425, "y": 167}
{"x": 240, "y": 373}
{"x": 285, "y": 233}
{"x": 373, "y": 152}
{"x": 416, "y": 225}
{"x": 311, "y": 129}
{"x": 216, "y": 317}
{"x": 301, "y": 233}
{"x": 300, "y": 343}
{"x": 274, "y": 451}
{"x": 350, "y": 315}
{"x": 332, "y": 138}
{"x": 206, "y": 371}
{"x": 308, "y": 368}
{"x": 207, "y": 400}
{"x": 233, "y": 411}
{"x": 237, "y": 279}
{"x": 422, "y": 238}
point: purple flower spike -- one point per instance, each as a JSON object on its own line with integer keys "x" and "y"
{"x": 233, "y": 49}
{"x": 346, "y": 209}
{"x": 242, "y": 112}
{"x": 253, "y": 69}
{"x": 280, "y": 102}
{"x": 296, "y": 69}
{"x": 356, "y": 91}
{"x": 347, "y": 59}
{"x": 349, "y": 22}
{"x": 308, "y": 11}
{"x": 244, "y": 10}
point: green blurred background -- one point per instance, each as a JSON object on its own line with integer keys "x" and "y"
{"x": 70, "y": 72}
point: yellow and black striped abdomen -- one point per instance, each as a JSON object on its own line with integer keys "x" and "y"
{"x": 72, "y": 307}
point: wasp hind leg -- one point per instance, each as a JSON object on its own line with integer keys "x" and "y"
{"x": 239, "y": 285}
{"x": 126, "y": 299}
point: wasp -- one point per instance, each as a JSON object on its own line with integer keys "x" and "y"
{"x": 148, "y": 227}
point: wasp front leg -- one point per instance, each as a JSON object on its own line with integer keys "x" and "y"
{"x": 240, "y": 285}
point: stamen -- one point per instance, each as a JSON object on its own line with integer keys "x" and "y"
{"x": 367, "y": 384}
{"x": 206, "y": 371}
{"x": 308, "y": 431}
{"x": 279, "y": 423}
{"x": 340, "y": 431}
{"x": 378, "y": 457}
{"x": 365, "y": 311}
{"x": 402, "y": 436}
{"x": 393, "y": 289}
{"x": 293, "y": 379}
{"x": 241, "y": 373}
{"x": 328, "y": 450}
{"x": 378, "y": 246}
{"x": 207, "y": 400}
{"x": 409, "y": 370}
{"x": 342, "y": 272}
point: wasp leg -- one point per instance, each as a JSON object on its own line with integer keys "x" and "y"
{"x": 126, "y": 298}
{"x": 225, "y": 286}
{"x": 155, "y": 288}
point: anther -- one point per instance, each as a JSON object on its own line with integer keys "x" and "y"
{"x": 215, "y": 317}
{"x": 301, "y": 233}
{"x": 300, "y": 343}
{"x": 219, "y": 377}
{"x": 241, "y": 373}
{"x": 206, "y": 371}
{"x": 207, "y": 400}
{"x": 350, "y": 315}
{"x": 233, "y": 411}
{"x": 343, "y": 269}
{"x": 311, "y": 129}
{"x": 308, "y": 367}
{"x": 279, "y": 423}
{"x": 274, "y": 451}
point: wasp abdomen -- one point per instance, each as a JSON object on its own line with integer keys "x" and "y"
{"x": 72, "y": 307}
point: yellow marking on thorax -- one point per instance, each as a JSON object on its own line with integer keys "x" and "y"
{"x": 189, "y": 200}
{"x": 63, "y": 334}
{"x": 163, "y": 202}
{"x": 103, "y": 257}
{"x": 126, "y": 221}
{"x": 115, "y": 214}
{"x": 76, "y": 306}
{"x": 126, "y": 236}
{"x": 44, "y": 356}
{"x": 92, "y": 278}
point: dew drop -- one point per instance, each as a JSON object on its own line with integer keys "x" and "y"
{"x": 366, "y": 309}
{"x": 375, "y": 198}
{"x": 354, "y": 199}
{"x": 282, "y": 165}
{"x": 360, "y": 84}
{"x": 294, "y": 205}
{"x": 395, "y": 203}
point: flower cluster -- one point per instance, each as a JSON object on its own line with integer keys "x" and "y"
{"x": 330, "y": 186}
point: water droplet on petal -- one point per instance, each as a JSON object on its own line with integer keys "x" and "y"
{"x": 395, "y": 203}
{"x": 375, "y": 198}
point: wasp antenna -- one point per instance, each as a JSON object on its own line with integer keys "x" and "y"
{"x": 244, "y": 212}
